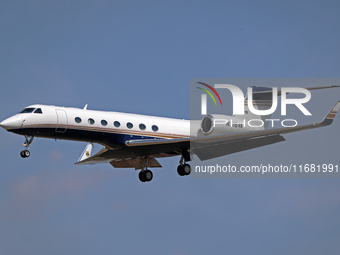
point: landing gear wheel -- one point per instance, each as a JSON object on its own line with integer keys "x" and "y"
{"x": 25, "y": 153}
{"x": 186, "y": 169}
{"x": 180, "y": 170}
{"x": 183, "y": 170}
{"x": 141, "y": 176}
{"x": 28, "y": 140}
{"x": 145, "y": 176}
{"x": 148, "y": 175}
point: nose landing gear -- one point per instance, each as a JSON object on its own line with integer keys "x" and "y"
{"x": 26, "y": 153}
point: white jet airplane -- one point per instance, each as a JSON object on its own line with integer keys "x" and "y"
{"x": 135, "y": 141}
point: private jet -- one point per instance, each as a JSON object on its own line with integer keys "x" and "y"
{"x": 136, "y": 141}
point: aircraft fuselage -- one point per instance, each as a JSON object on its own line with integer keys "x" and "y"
{"x": 114, "y": 128}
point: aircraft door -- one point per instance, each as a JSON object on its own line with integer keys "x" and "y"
{"x": 61, "y": 121}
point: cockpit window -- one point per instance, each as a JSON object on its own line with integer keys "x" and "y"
{"x": 38, "y": 110}
{"x": 27, "y": 110}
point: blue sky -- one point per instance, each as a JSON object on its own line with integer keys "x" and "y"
{"x": 139, "y": 56}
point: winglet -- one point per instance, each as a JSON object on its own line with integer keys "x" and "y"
{"x": 86, "y": 153}
{"x": 331, "y": 115}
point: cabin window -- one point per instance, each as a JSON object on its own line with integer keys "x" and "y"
{"x": 116, "y": 124}
{"x": 77, "y": 119}
{"x": 91, "y": 121}
{"x": 104, "y": 122}
{"x": 142, "y": 126}
{"x": 27, "y": 110}
{"x": 154, "y": 128}
{"x": 38, "y": 110}
{"x": 129, "y": 125}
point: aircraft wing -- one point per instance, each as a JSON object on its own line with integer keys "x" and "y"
{"x": 205, "y": 147}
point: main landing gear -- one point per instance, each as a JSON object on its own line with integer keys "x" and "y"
{"x": 184, "y": 169}
{"x": 26, "y": 153}
{"x": 145, "y": 175}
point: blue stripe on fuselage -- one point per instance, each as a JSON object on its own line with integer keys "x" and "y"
{"x": 112, "y": 139}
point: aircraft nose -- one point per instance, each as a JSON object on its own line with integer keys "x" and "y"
{"x": 11, "y": 123}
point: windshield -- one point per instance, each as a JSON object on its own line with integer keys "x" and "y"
{"x": 38, "y": 110}
{"x": 27, "y": 110}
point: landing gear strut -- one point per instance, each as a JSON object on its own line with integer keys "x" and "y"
{"x": 26, "y": 153}
{"x": 184, "y": 169}
{"x": 145, "y": 175}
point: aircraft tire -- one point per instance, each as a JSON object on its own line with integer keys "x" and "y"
{"x": 180, "y": 170}
{"x": 145, "y": 176}
{"x": 186, "y": 169}
{"x": 141, "y": 176}
{"x": 27, "y": 153}
{"x": 148, "y": 175}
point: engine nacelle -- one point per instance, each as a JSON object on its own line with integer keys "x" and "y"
{"x": 215, "y": 123}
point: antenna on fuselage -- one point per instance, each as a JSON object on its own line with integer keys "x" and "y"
{"x": 85, "y": 107}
